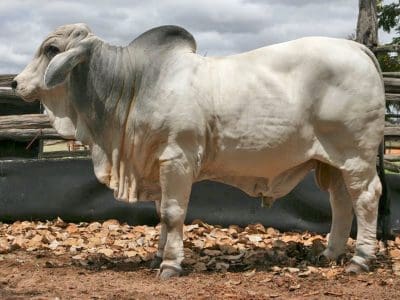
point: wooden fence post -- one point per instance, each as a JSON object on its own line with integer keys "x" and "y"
{"x": 367, "y": 34}
{"x": 367, "y": 24}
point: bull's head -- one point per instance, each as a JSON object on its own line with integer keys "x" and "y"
{"x": 60, "y": 52}
{"x": 46, "y": 76}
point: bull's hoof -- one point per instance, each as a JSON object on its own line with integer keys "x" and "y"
{"x": 355, "y": 268}
{"x": 169, "y": 272}
{"x": 322, "y": 260}
{"x": 156, "y": 262}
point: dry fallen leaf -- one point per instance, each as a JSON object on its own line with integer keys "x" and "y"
{"x": 222, "y": 266}
{"x": 255, "y": 238}
{"x": 250, "y": 273}
{"x": 294, "y": 287}
{"x": 4, "y": 246}
{"x": 396, "y": 268}
{"x": 53, "y": 245}
{"x": 305, "y": 273}
{"x": 293, "y": 270}
{"x": 331, "y": 273}
{"x": 107, "y": 252}
{"x": 212, "y": 252}
{"x": 94, "y": 226}
{"x": 199, "y": 267}
{"x": 130, "y": 253}
{"x": 234, "y": 282}
{"x": 394, "y": 254}
{"x": 72, "y": 228}
{"x": 18, "y": 242}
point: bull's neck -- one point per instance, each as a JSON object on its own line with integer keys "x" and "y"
{"x": 112, "y": 75}
{"x": 105, "y": 87}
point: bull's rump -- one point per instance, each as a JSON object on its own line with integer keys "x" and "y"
{"x": 279, "y": 106}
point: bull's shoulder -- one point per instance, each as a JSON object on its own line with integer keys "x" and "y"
{"x": 166, "y": 36}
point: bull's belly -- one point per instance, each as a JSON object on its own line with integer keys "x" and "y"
{"x": 268, "y": 177}
{"x": 269, "y": 188}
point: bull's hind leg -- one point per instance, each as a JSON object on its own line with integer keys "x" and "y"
{"x": 331, "y": 179}
{"x": 156, "y": 262}
{"x": 365, "y": 189}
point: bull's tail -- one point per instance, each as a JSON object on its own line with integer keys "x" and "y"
{"x": 384, "y": 216}
{"x": 373, "y": 58}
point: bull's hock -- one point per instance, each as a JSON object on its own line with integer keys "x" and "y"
{"x": 159, "y": 117}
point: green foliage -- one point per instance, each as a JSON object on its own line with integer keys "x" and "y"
{"x": 389, "y": 63}
{"x": 389, "y": 18}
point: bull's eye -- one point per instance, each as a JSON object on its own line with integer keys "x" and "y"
{"x": 51, "y": 51}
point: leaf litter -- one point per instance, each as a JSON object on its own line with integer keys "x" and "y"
{"x": 208, "y": 248}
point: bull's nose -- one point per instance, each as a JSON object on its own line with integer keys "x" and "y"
{"x": 14, "y": 84}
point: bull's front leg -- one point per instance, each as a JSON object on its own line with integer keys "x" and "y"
{"x": 176, "y": 182}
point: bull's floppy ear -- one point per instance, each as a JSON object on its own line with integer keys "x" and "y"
{"x": 60, "y": 66}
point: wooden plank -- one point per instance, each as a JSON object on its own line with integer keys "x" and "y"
{"x": 392, "y": 157}
{"x": 392, "y": 97}
{"x": 59, "y": 154}
{"x": 391, "y": 74}
{"x": 29, "y": 134}
{"x": 29, "y": 121}
{"x": 12, "y": 104}
{"x": 387, "y": 48}
{"x": 392, "y": 131}
{"x": 5, "y": 80}
{"x": 8, "y": 94}
{"x": 392, "y": 142}
{"x": 396, "y": 116}
{"x": 391, "y": 166}
{"x": 26, "y": 127}
{"x": 367, "y": 23}
{"x": 392, "y": 85}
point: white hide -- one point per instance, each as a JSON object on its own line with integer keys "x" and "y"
{"x": 159, "y": 117}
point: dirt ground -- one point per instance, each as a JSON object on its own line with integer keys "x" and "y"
{"x": 58, "y": 260}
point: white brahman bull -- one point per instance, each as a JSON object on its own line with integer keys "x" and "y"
{"x": 159, "y": 117}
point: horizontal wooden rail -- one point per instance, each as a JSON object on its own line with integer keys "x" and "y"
{"x": 390, "y": 115}
{"x": 392, "y": 157}
{"x": 5, "y": 80}
{"x": 391, "y": 74}
{"x": 391, "y": 166}
{"x": 26, "y": 127}
{"x": 387, "y": 48}
{"x": 31, "y": 121}
{"x": 11, "y": 103}
{"x": 9, "y": 94}
{"x": 29, "y": 134}
{"x": 392, "y": 131}
{"x": 392, "y": 85}
{"x": 60, "y": 154}
{"x": 391, "y": 80}
{"x": 392, "y": 97}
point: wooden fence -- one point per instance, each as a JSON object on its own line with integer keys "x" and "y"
{"x": 29, "y": 127}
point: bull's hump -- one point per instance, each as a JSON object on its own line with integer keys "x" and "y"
{"x": 166, "y": 36}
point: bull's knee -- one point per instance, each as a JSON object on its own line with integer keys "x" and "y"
{"x": 172, "y": 214}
